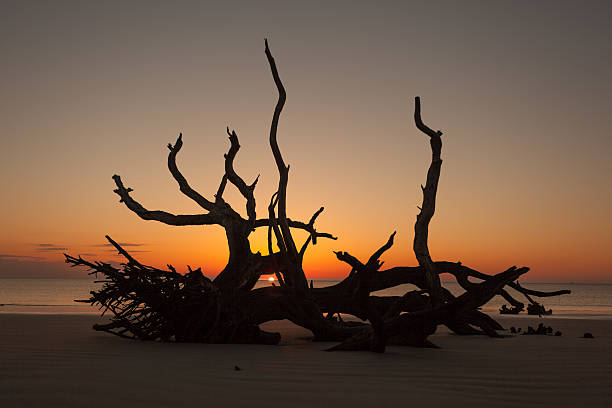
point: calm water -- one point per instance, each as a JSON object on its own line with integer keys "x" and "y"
{"x": 57, "y": 296}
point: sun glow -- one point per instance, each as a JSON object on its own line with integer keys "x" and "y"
{"x": 271, "y": 279}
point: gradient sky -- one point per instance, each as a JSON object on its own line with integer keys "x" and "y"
{"x": 522, "y": 91}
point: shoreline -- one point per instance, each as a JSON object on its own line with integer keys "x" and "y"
{"x": 12, "y": 309}
{"x": 58, "y": 361}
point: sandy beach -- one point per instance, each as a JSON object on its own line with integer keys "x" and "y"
{"x": 58, "y": 361}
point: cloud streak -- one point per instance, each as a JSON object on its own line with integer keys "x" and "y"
{"x": 123, "y": 244}
{"x": 130, "y": 251}
{"x": 50, "y": 247}
{"x": 11, "y": 257}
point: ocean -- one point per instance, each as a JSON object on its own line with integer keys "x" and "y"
{"x": 56, "y": 296}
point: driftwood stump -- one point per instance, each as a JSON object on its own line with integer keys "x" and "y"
{"x": 148, "y": 303}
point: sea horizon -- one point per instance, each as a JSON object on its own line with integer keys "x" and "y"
{"x": 58, "y": 295}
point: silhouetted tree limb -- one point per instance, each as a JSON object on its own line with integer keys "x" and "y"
{"x": 511, "y": 300}
{"x": 367, "y": 309}
{"x": 415, "y": 327}
{"x": 265, "y": 222}
{"x": 312, "y": 236}
{"x": 334, "y": 298}
{"x": 123, "y": 252}
{"x": 294, "y": 274}
{"x": 283, "y": 170}
{"x": 421, "y": 227}
{"x": 221, "y": 188}
{"x": 516, "y": 286}
{"x": 156, "y": 215}
{"x": 230, "y": 173}
{"x": 414, "y": 275}
{"x": 184, "y": 186}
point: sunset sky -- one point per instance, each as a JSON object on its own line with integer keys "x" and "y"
{"x": 522, "y": 91}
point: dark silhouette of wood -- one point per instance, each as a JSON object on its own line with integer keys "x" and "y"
{"x": 421, "y": 227}
{"x": 148, "y": 303}
{"x": 538, "y": 309}
{"x": 514, "y": 310}
{"x": 366, "y": 308}
{"x": 415, "y": 327}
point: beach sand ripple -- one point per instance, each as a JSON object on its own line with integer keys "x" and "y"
{"x": 58, "y": 361}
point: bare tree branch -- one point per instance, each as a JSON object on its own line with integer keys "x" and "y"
{"x": 123, "y": 252}
{"x": 421, "y": 227}
{"x": 265, "y": 222}
{"x": 361, "y": 294}
{"x": 355, "y": 263}
{"x": 182, "y": 182}
{"x": 245, "y": 190}
{"x": 511, "y": 300}
{"x": 419, "y": 122}
{"x": 376, "y": 255}
{"x": 516, "y": 286}
{"x": 274, "y": 225}
{"x": 221, "y": 189}
{"x": 156, "y": 215}
{"x": 283, "y": 170}
{"x": 313, "y": 235}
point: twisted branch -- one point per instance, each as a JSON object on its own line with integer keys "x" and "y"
{"x": 283, "y": 170}
{"x": 421, "y": 227}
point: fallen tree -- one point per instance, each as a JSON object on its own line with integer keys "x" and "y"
{"x": 148, "y": 303}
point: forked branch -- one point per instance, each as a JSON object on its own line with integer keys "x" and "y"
{"x": 313, "y": 235}
{"x": 245, "y": 189}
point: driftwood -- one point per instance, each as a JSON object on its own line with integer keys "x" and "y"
{"x": 514, "y": 310}
{"x": 148, "y": 303}
{"x": 538, "y": 309}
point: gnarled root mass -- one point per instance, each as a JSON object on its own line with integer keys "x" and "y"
{"x": 147, "y": 303}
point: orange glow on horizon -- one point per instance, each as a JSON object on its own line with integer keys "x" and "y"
{"x": 519, "y": 184}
